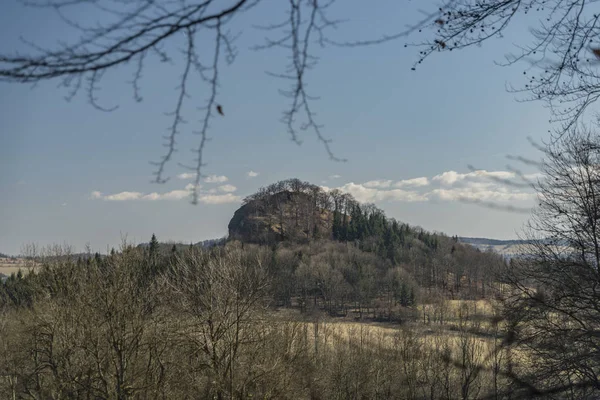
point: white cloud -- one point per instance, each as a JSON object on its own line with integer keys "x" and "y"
{"x": 172, "y": 195}
{"x": 219, "y": 199}
{"x": 449, "y": 178}
{"x": 478, "y": 185}
{"x": 366, "y": 194}
{"x": 227, "y": 188}
{"x": 414, "y": 182}
{"x": 216, "y": 179}
{"x": 252, "y": 174}
{"x": 187, "y": 175}
{"x": 64, "y": 204}
{"x": 128, "y": 196}
{"x": 123, "y": 196}
{"x": 469, "y": 194}
{"x": 206, "y": 197}
{"x": 378, "y": 184}
{"x": 533, "y": 177}
{"x": 336, "y": 176}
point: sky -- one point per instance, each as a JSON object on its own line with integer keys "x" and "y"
{"x": 72, "y": 174}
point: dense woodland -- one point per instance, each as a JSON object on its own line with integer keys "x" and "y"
{"x": 209, "y": 323}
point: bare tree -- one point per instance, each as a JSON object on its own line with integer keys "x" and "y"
{"x": 554, "y": 310}
{"x": 562, "y": 57}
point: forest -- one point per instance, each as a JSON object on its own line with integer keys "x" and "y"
{"x": 320, "y": 320}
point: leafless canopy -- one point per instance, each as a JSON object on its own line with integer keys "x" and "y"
{"x": 562, "y": 57}
{"x": 555, "y": 303}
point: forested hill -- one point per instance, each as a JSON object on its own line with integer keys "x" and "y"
{"x": 300, "y": 213}
{"x": 507, "y": 248}
{"x": 292, "y": 210}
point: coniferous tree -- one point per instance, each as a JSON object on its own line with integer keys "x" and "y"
{"x": 337, "y": 225}
{"x": 153, "y": 249}
{"x": 404, "y": 295}
{"x": 153, "y": 253}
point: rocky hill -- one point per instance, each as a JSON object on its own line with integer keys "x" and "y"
{"x": 282, "y": 215}
{"x": 298, "y": 211}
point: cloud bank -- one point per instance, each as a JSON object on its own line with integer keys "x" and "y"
{"x": 208, "y": 197}
{"x": 475, "y": 186}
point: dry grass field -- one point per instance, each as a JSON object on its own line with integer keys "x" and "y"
{"x": 9, "y": 266}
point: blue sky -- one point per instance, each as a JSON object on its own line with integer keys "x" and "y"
{"x": 65, "y": 166}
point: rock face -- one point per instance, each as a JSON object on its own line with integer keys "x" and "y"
{"x": 285, "y": 215}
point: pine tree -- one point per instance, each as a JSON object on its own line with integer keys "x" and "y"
{"x": 344, "y": 230}
{"x": 153, "y": 250}
{"x": 153, "y": 254}
{"x": 404, "y": 296}
{"x": 337, "y": 226}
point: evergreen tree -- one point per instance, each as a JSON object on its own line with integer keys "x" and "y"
{"x": 344, "y": 230}
{"x": 337, "y": 226}
{"x": 153, "y": 249}
{"x": 153, "y": 252}
{"x": 404, "y": 295}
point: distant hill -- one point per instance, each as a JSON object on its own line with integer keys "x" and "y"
{"x": 491, "y": 242}
{"x": 506, "y": 248}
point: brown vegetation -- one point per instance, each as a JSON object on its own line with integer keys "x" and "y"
{"x": 202, "y": 326}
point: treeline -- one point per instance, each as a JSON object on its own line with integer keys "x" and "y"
{"x": 338, "y": 278}
{"x": 201, "y": 324}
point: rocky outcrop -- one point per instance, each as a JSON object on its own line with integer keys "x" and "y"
{"x": 284, "y": 215}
